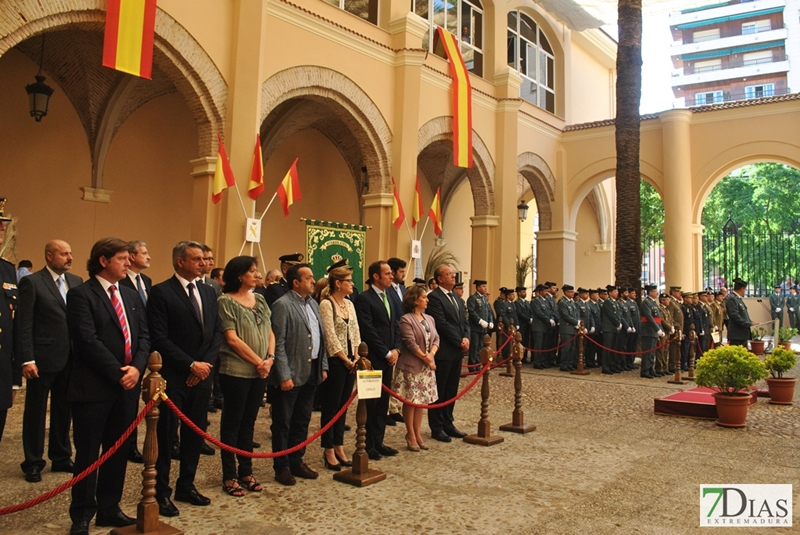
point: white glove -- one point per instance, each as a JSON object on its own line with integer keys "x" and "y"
{"x": 672, "y": 330}
{"x": 791, "y": 310}
{"x": 591, "y": 331}
{"x": 630, "y": 329}
{"x": 491, "y": 325}
{"x": 620, "y": 327}
{"x": 530, "y": 321}
{"x": 702, "y": 333}
{"x": 633, "y": 329}
{"x": 483, "y": 323}
{"x": 577, "y": 327}
{"x": 777, "y": 310}
{"x": 552, "y": 323}
{"x": 660, "y": 333}
{"x": 715, "y": 328}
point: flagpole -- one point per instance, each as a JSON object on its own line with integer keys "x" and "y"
{"x": 409, "y": 230}
{"x": 424, "y": 228}
{"x": 239, "y": 194}
{"x": 270, "y": 204}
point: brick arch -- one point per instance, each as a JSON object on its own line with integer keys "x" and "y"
{"x": 535, "y": 171}
{"x": 317, "y": 97}
{"x": 181, "y": 57}
{"x": 435, "y": 151}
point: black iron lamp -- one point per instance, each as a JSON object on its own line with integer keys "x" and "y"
{"x": 39, "y": 92}
{"x": 522, "y": 210}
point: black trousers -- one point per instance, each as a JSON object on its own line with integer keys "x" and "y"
{"x": 242, "y": 402}
{"x": 334, "y": 393}
{"x": 59, "y": 448}
{"x": 377, "y": 410}
{"x": 608, "y": 359}
{"x": 291, "y": 414}
{"x": 448, "y": 375}
{"x": 193, "y": 403}
{"x": 95, "y": 425}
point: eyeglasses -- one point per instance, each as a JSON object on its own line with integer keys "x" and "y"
{"x": 258, "y": 316}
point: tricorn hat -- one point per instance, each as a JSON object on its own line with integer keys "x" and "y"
{"x": 292, "y": 259}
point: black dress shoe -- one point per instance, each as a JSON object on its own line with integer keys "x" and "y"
{"x": 64, "y": 466}
{"x": 397, "y": 417}
{"x": 116, "y": 520}
{"x": 135, "y": 456}
{"x": 205, "y": 449}
{"x": 386, "y": 451}
{"x": 256, "y": 445}
{"x": 346, "y": 464}
{"x": 79, "y": 528}
{"x": 390, "y": 422}
{"x": 455, "y": 433}
{"x": 166, "y": 507}
{"x": 193, "y": 497}
{"x": 284, "y": 477}
{"x": 33, "y": 475}
{"x": 441, "y": 436}
{"x": 374, "y": 455}
{"x": 303, "y": 470}
{"x": 335, "y": 467}
{"x": 347, "y": 427}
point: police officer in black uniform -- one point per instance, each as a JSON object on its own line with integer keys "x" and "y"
{"x": 10, "y": 369}
{"x": 278, "y": 288}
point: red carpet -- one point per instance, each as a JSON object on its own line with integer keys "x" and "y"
{"x": 695, "y": 403}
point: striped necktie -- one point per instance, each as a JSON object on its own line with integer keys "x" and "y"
{"x": 115, "y": 302}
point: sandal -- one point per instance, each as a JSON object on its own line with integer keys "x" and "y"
{"x": 234, "y": 489}
{"x": 251, "y": 484}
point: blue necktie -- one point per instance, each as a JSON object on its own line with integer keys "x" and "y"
{"x": 141, "y": 289}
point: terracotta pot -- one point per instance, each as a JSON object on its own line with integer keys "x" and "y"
{"x": 787, "y": 345}
{"x": 757, "y": 346}
{"x": 731, "y": 410}
{"x": 781, "y": 391}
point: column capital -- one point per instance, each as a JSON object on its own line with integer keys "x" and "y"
{"x": 508, "y": 81}
{"x": 671, "y": 116}
{"x": 410, "y": 57}
{"x": 203, "y": 166}
{"x": 557, "y": 235}
{"x": 377, "y": 199}
{"x": 408, "y": 30}
{"x": 485, "y": 221}
{"x": 697, "y": 228}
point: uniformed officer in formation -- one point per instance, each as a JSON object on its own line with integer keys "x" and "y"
{"x": 481, "y": 320}
{"x": 676, "y": 312}
{"x": 691, "y": 319}
{"x": 523, "y": 309}
{"x": 504, "y": 311}
{"x": 651, "y": 331}
{"x": 552, "y": 340}
{"x": 611, "y": 320}
{"x": 280, "y": 287}
{"x": 540, "y": 328}
{"x": 594, "y": 332}
{"x": 668, "y": 326}
{"x": 570, "y": 318}
{"x": 777, "y": 302}
{"x": 793, "y": 307}
{"x": 703, "y": 334}
{"x": 634, "y": 321}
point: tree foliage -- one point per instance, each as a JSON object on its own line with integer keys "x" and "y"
{"x": 652, "y": 216}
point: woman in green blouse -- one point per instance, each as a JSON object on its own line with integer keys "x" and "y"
{"x": 245, "y": 360}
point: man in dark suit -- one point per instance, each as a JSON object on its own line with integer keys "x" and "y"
{"x": 136, "y": 280}
{"x": 44, "y": 349}
{"x": 10, "y": 374}
{"x": 398, "y": 266}
{"x": 185, "y": 328}
{"x": 379, "y": 312}
{"x": 110, "y": 342}
{"x": 450, "y": 315}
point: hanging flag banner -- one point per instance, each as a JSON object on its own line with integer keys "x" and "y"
{"x": 328, "y": 242}
{"x": 416, "y": 210}
{"x": 462, "y": 100}
{"x": 398, "y": 215}
{"x": 256, "y": 185}
{"x": 289, "y": 188}
{"x": 129, "y": 36}
{"x": 435, "y": 213}
{"x": 223, "y": 174}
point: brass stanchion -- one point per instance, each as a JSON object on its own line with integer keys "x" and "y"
{"x": 484, "y": 435}
{"x": 581, "y": 338}
{"x": 361, "y": 475}
{"x": 518, "y": 424}
{"x": 147, "y": 520}
{"x": 675, "y": 356}
{"x": 692, "y": 354}
{"x": 512, "y": 332}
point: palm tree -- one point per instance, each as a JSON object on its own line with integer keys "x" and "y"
{"x": 628, "y": 254}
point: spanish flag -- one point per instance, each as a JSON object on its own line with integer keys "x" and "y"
{"x": 128, "y": 42}
{"x": 223, "y": 174}
{"x": 289, "y": 190}
{"x": 462, "y": 101}
{"x": 416, "y": 209}
{"x": 398, "y": 215}
{"x": 256, "y": 185}
{"x": 435, "y": 213}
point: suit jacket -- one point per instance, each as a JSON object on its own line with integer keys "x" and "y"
{"x": 98, "y": 346}
{"x": 381, "y": 333}
{"x": 452, "y": 325}
{"x": 148, "y": 284}
{"x": 739, "y": 321}
{"x": 41, "y": 322}
{"x": 293, "y": 341}
{"x": 176, "y": 332}
{"x": 413, "y": 336}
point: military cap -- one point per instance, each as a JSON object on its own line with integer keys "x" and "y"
{"x": 519, "y": 288}
{"x": 503, "y": 289}
{"x": 340, "y": 263}
{"x": 479, "y": 282}
{"x": 610, "y": 288}
{"x": 649, "y": 287}
{"x": 701, "y": 293}
{"x": 717, "y": 294}
{"x": 582, "y": 290}
{"x": 459, "y": 285}
{"x": 602, "y": 290}
{"x": 539, "y": 288}
{"x": 295, "y": 258}
{"x": 417, "y": 280}
{"x": 3, "y": 217}
{"x": 776, "y": 287}
{"x": 592, "y": 291}
{"x": 550, "y": 284}
{"x": 508, "y": 291}
{"x": 688, "y": 294}
{"x": 663, "y": 296}
{"x": 567, "y": 287}
{"x": 674, "y": 288}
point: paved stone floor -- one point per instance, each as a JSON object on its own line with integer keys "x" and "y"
{"x": 598, "y": 462}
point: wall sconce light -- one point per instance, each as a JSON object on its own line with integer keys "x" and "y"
{"x": 364, "y": 180}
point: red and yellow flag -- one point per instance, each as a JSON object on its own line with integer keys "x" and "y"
{"x": 128, "y": 42}
{"x": 416, "y": 209}
{"x": 289, "y": 190}
{"x": 462, "y": 101}
{"x": 398, "y": 215}
{"x": 435, "y": 213}
{"x": 256, "y": 185}
{"x": 223, "y": 174}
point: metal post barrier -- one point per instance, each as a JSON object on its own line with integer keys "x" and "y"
{"x": 484, "y": 435}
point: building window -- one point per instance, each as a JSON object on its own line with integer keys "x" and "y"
{"x": 705, "y": 35}
{"x": 366, "y": 9}
{"x": 757, "y": 58}
{"x": 462, "y": 18}
{"x": 707, "y": 65}
{"x": 758, "y": 26}
{"x": 530, "y": 54}
{"x": 710, "y": 97}
{"x": 758, "y": 91}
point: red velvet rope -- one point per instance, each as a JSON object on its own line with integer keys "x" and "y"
{"x": 668, "y": 342}
{"x": 67, "y": 484}
{"x": 552, "y": 348}
{"x": 185, "y": 419}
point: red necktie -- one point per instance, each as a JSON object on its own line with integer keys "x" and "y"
{"x": 122, "y": 323}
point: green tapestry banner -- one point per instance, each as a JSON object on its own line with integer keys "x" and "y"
{"x": 328, "y": 242}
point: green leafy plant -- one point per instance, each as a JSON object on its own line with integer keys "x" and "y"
{"x": 785, "y": 334}
{"x": 524, "y": 267}
{"x": 730, "y": 369}
{"x": 780, "y": 361}
{"x": 438, "y": 257}
{"x": 757, "y": 333}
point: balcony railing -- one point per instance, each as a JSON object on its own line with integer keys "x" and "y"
{"x": 730, "y": 97}
{"x": 734, "y": 64}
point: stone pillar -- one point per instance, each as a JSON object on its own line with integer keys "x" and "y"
{"x": 205, "y": 214}
{"x": 482, "y": 264}
{"x": 679, "y": 257}
{"x": 378, "y": 215}
{"x": 556, "y": 256}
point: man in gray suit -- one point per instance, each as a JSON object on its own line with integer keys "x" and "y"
{"x": 43, "y": 343}
{"x": 301, "y": 363}
{"x": 739, "y": 321}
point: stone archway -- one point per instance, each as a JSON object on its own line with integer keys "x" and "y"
{"x": 535, "y": 171}
{"x": 316, "y": 97}
{"x": 435, "y": 157}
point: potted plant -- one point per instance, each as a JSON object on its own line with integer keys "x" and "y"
{"x": 757, "y": 342}
{"x": 785, "y": 335}
{"x": 781, "y": 389}
{"x": 731, "y": 370}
